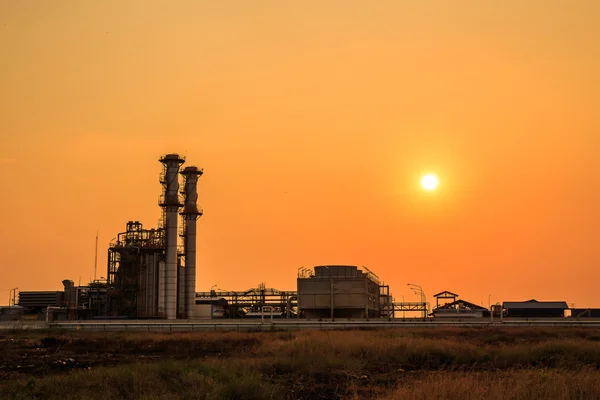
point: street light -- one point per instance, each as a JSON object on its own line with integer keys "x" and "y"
{"x": 211, "y": 289}
{"x": 423, "y": 297}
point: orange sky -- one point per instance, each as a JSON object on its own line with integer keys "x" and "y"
{"x": 313, "y": 122}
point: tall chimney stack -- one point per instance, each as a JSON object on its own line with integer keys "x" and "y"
{"x": 170, "y": 202}
{"x": 190, "y": 215}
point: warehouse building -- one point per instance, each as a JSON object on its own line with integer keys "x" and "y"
{"x": 37, "y": 301}
{"x": 535, "y": 309}
{"x": 585, "y": 312}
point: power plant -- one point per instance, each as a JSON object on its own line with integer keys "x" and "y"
{"x": 151, "y": 274}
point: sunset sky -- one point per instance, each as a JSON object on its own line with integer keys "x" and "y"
{"x": 314, "y": 122}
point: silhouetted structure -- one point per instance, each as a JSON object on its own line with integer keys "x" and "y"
{"x": 254, "y": 302}
{"x": 535, "y": 309}
{"x": 585, "y": 312}
{"x": 445, "y": 295}
{"x": 460, "y": 309}
{"x": 150, "y": 274}
{"x": 339, "y": 291}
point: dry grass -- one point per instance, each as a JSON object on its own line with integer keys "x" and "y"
{"x": 161, "y": 380}
{"x": 395, "y": 364}
{"x": 510, "y": 385}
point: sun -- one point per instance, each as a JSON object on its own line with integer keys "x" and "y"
{"x": 429, "y": 182}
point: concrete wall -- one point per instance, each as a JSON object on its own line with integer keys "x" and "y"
{"x": 202, "y": 311}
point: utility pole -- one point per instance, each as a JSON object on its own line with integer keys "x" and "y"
{"x": 14, "y": 296}
{"x": 96, "y": 257}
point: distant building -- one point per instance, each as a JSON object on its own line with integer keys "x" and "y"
{"x": 37, "y": 301}
{"x": 341, "y": 291}
{"x": 585, "y": 312}
{"x": 535, "y": 309}
{"x": 456, "y": 308}
{"x": 11, "y": 313}
{"x": 207, "y": 308}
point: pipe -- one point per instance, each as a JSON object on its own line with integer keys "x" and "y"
{"x": 161, "y": 289}
{"x": 190, "y": 214}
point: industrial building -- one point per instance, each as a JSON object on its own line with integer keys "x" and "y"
{"x": 448, "y": 305}
{"x": 11, "y": 313}
{"x": 585, "y": 312}
{"x": 535, "y": 309}
{"x": 339, "y": 291}
{"x": 36, "y": 301}
{"x": 150, "y": 273}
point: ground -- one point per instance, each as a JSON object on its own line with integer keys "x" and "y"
{"x": 438, "y": 363}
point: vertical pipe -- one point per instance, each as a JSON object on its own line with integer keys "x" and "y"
{"x": 155, "y": 285}
{"x": 190, "y": 213}
{"x": 181, "y": 287}
{"x": 170, "y": 202}
{"x": 161, "y": 288}
{"x": 331, "y": 294}
{"x": 367, "y": 296}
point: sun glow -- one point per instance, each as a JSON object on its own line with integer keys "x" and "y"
{"x": 429, "y": 182}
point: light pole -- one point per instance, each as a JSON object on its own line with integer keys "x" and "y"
{"x": 14, "y": 295}
{"x": 423, "y": 298}
{"x": 211, "y": 290}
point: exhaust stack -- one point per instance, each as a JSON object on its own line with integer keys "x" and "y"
{"x": 190, "y": 215}
{"x": 170, "y": 203}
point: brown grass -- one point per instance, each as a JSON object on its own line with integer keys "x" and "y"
{"x": 508, "y": 385}
{"x": 393, "y": 364}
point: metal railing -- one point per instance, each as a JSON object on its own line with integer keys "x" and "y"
{"x": 268, "y": 325}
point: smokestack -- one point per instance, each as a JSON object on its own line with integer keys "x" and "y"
{"x": 190, "y": 214}
{"x": 170, "y": 203}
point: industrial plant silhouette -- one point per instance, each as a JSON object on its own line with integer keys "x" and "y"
{"x": 151, "y": 274}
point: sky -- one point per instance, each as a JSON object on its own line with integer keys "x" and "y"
{"x": 314, "y": 122}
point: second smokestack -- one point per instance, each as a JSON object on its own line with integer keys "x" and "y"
{"x": 190, "y": 214}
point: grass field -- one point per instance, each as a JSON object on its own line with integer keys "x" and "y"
{"x": 434, "y": 363}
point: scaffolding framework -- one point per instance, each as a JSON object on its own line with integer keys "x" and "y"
{"x": 133, "y": 271}
{"x": 251, "y": 302}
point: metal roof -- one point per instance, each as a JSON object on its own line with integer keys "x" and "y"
{"x": 445, "y": 293}
{"x": 534, "y": 304}
{"x": 463, "y": 303}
